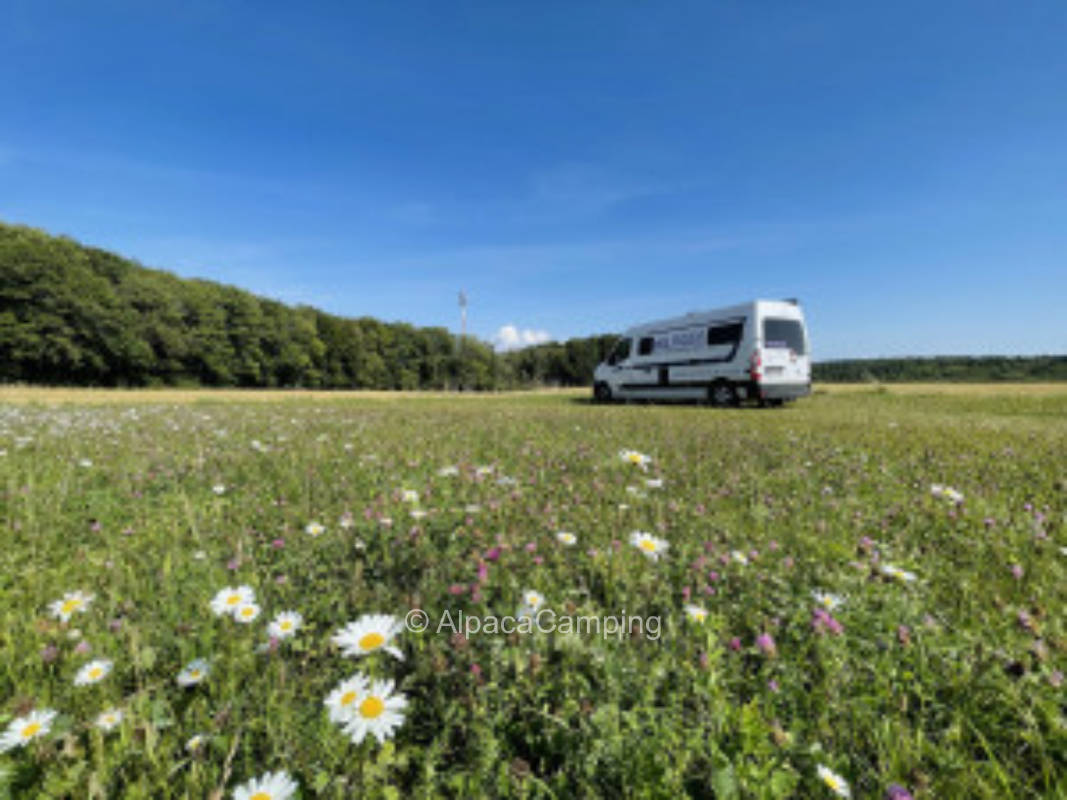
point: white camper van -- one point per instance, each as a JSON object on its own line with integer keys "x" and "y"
{"x": 753, "y": 351}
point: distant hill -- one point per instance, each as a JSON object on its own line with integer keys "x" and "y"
{"x": 77, "y": 315}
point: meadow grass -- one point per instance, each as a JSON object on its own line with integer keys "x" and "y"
{"x": 936, "y": 666}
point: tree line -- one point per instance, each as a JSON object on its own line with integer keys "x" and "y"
{"x": 77, "y": 315}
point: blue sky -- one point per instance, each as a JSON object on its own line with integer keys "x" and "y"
{"x": 576, "y": 167}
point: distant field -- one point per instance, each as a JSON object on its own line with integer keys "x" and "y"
{"x": 39, "y": 394}
{"x": 870, "y": 581}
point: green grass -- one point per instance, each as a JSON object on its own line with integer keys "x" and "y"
{"x": 937, "y": 685}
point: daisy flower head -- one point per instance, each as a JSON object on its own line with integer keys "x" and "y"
{"x": 654, "y": 483}
{"x": 896, "y": 573}
{"x": 532, "y": 599}
{"x": 194, "y": 672}
{"x": 269, "y": 786}
{"x": 652, "y": 546}
{"x": 219, "y": 489}
{"x": 346, "y": 520}
{"x": 22, "y": 730}
{"x": 369, "y": 633}
{"x": 409, "y": 496}
{"x": 833, "y": 781}
{"x": 109, "y": 720}
{"x": 449, "y": 471}
{"x": 314, "y": 528}
{"x": 567, "y": 538}
{"x": 285, "y": 624}
{"x": 696, "y": 613}
{"x": 246, "y": 612}
{"x": 93, "y": 672}
{"x": 827, "y": 600}
{"x": 379, "y": 713}
{"x": 739, "y": 557}
{"x": 343, "y": 702}
{"x": 417, "y": 513}
{"x": 72, "y": 602}
{"x": 229, "y": 599}
{"x": 195, "y": 742}
{"x": 635, "y": 458}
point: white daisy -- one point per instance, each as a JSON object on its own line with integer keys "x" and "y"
{"x": 344, "y": 700}
{"x": 446, "y": 472}
{"x": 314, "y": 528}
{"x": 72, "y": 602}
{"x": 654, "y": 483}
{"x": 835, "y": 782}
{"x": 739, "y": 557}
{"x": 195, "y": 742}
{"x": 648, "y": 544}
{"x": 409, "y": 496}
{"x": 369, "y": 633}
{"x": 195, "y": 671}
{"x": 109, "y": 720}
{"x": 93, "y": 672}
{"x": 346, "y": 520}
{"x": 246, "y": 612}
{"x": 228, "y": 599}
{"x": 379, "y": 713}
{"x": 269, "y": 786}
{"x": 285, "y": 624}
{"x": 532, "y": 600}
{"x": 827, "y": 600}
{"x": 22, "y": 730}
{"x": 219, "y": 489}
{"x": 417, "y": 513}
{"x": 896, "y": 573}
{"x": 567, "y": 538}
{"x": 635, "y": 458}
{"x": 696, "y": 613}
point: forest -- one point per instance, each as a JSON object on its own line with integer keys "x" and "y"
{"x": 77, "y": 315}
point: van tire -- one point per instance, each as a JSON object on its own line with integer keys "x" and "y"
{"x": 602, "y": 392}
{"x": 722, "y": 395}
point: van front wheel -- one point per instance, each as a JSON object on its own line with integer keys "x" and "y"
{"x": 722, "y": 395}
{"x": 602, "y": 393}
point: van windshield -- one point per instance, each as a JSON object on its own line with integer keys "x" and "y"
{"x": 621, "y": 351}
{"x": 784, "y": 333}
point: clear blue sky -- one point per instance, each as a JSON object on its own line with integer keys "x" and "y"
{"x": 575, "y": 166}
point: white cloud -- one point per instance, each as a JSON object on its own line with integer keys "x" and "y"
{"x": 511, "y": 338}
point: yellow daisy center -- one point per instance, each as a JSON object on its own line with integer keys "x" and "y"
{"x": 285, "y": 625}
{"x": 371, "y": 640}
{"x": 95, "y": 673}
{"x": 260, "y": 796}
{"x": 247, "y": 612}
{"x": 233, "y": 599}
{"x": 31, "y": 730}
{"x": 194, "y": 673}
{"x": 371, "y": 707}
{"x": 70, "y": 606}
{"x": 635, "y": 458}
{"x": 698, "y": 616}
{"x": 532, "y": 599}
{"x": 832, "y": 782}
{"x": 348, "y": 698}
{"x": 647, "y": 545}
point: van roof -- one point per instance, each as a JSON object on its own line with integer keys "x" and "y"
{"x": 789, "y": 308}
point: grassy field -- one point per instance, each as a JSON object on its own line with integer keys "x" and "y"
{"x": 861, "y": 593}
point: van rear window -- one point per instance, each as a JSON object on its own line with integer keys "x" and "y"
{"x": 783, "y": 333}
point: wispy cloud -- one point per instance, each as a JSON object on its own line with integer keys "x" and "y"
{"x": 509, "y": 337}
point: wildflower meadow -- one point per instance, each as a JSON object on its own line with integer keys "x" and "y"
{"x": 860, "y": 595}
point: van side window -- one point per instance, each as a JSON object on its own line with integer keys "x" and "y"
{"x": 725, "y": 334}
{"x": 644, "y": 346}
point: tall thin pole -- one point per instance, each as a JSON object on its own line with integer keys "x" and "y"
{"x": 463, "y": 315}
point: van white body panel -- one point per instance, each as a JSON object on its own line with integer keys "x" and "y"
{"x": 756, "y": 350}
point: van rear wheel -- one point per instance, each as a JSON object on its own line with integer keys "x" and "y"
{"x": 722, "y": 395}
